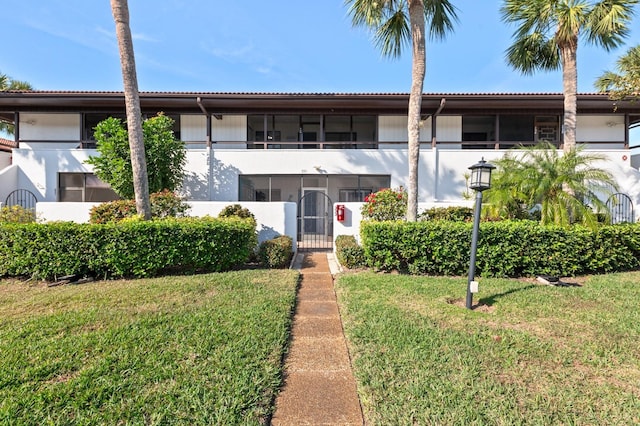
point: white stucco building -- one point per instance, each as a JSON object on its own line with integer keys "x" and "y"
{"x": 312, "y": 150}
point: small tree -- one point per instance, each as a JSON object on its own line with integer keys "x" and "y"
{"x": 566, "y": 187}
{"x": 165, "y": 155}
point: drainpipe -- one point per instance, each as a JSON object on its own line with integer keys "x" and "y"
{"x": 206, "y": 113}
{"x": 436, "y": 160}
{"x": 209, "y": 150}
{"x": 443, "y": 101}
{"x": 16, "y": 128}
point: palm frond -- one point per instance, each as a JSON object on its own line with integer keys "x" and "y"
{"x": 608, "y": 21}
{"x": 393, "y": 34}
{"x": 365, "y": 13}
{"x": 568, "y": 187}
{"x": 440, "y": 16}
{"x": 533, "y": 52}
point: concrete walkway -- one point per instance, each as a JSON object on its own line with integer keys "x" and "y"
{"x": 319, "y": 387}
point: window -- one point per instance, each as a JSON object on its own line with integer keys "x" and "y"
{"x": 353, "y": 195}
{"x": 517, "y": 128}
{"x": 478, "y": 129}
{"x": 340, "y": 188}
{"x": 548, "y": 129}
{"x": 290, "y": 129}
{"x": 83, "y": 187}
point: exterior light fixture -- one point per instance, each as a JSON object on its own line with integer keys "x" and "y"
{"x": 480, "y": 181}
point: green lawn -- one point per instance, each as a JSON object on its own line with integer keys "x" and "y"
{"x": 529, "y": 354}
{"x": 201, "y": 350}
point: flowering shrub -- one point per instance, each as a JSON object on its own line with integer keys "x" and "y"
{"x": 17, "y": 214}
{"x": 386, "y": 204}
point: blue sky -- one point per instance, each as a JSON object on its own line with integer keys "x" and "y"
{"x": 263, "y": 46}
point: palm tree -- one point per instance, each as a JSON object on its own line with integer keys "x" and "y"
{"x": 120, "y": 11}
{"x": 547, "y": 39}
{"x": 564, "y": 185}
{"x": 6, "y": 84}
{"x": 625, "y": 83}
{"x": 394, "y": 23}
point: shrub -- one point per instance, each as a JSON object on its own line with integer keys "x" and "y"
{"x": 236, "y": 210}
{"x": 126, "y": 249}
{"x": 505, "y": 249}
{"x": 454, "y": 214}
{"x": 17, "y": 214}
{"x": 386, "y": 204}
{"x": 349, "y": 253}
{"x": 163, "y": 204}
{"x": 112, "y": 211}
{"x": 277, "y": 252}
{"x": 167, "y": 204}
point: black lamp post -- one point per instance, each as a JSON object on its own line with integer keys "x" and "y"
{"x": 480, "y": 181}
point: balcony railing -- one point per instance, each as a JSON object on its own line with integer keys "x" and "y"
{"x": 485, "y": 145}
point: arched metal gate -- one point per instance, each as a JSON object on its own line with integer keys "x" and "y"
{"x": 621, "y": 208}
{"x": 23, "y": 198}
{"x": 315, "y": 221}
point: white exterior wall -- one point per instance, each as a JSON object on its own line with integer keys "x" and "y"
{"x": 353, "y": 217}
{"x": 50, "y": 127}
{"x": 213, "y": 174}
{"x": 193, "y": 130}
{"x": 8, "y": 181}
{"x": 273, "y": 219}
{"x": 601, "y": 128}
{"x": 197, "y": 182}
{"x": 40, "y": 168}
{"x": 5, "y": 159}
{"x": 230, "y": 128}
{"x": 449, "y": 129}
{"x": 393, "y": 128}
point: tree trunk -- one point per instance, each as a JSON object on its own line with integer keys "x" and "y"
{"x": 418, "y": 67}
{"x": 570, "y": 91}
{"x": 120, "y": 11}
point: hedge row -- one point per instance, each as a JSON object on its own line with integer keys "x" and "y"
{"x": 505, "y": 249}
{"x": 349, "y": 253}
{"x": 127, "y": 249}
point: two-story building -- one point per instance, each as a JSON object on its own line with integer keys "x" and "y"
{"x": 312, "y": 149}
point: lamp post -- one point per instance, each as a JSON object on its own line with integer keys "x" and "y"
{"x": 480, "y": 181}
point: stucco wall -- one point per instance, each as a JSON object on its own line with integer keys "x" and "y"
{"x": 273, "y": 219}
{"x": 214, "y": 175}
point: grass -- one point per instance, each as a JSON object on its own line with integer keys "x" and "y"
{"x": 203, "y": 349}
{"x": 528, "y": 354}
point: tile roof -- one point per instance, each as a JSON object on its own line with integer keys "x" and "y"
{"x": 6, "y": 144}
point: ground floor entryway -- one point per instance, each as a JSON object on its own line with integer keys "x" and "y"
{"x": 316, "y": 196}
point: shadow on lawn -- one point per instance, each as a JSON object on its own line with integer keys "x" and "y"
{"x": 491, "y": 300}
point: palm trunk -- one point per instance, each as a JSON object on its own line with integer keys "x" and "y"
{"x": 120, "y": 11}
{"x": 570, "y": 91}
{"x": 418, "y": 67}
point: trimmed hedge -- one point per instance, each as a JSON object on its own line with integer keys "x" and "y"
{"x": 126, "y": 249}
{"x": 452, "y": 213}
{"x": 505, "y": 249}
{"x": 276, "y": 252}
{"x": 349, "y": 253}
